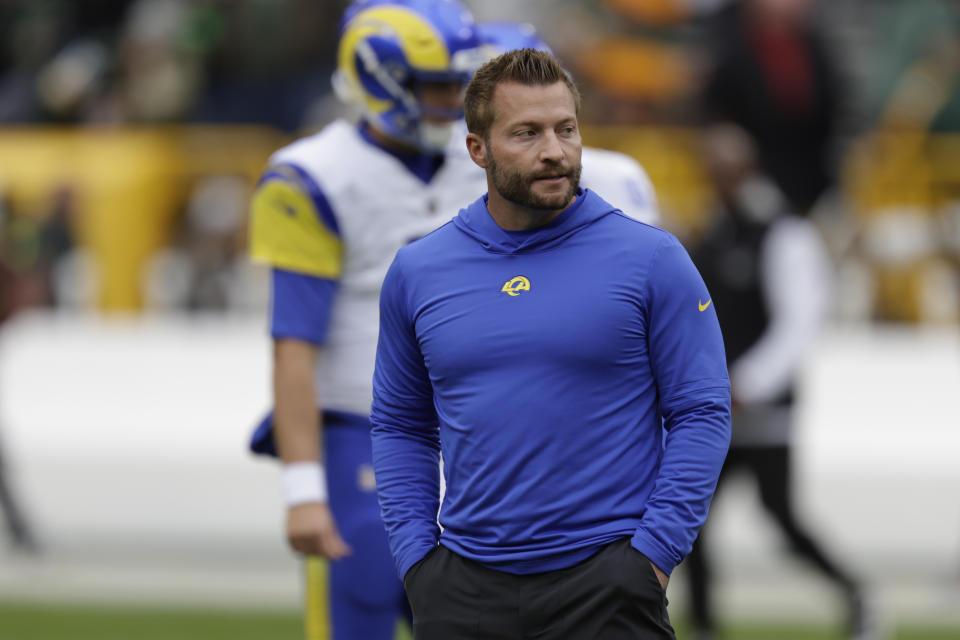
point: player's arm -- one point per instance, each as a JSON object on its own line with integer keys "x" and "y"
{"x": 292, "y": 229}
{"x": 406, "y": 444}
{"x": 295, "y": 400}
{"x": 689, "y": 366}
{"x": 311, "y": 528}
{"x": 310, "y": 525}
{"x": 796, "y": 276}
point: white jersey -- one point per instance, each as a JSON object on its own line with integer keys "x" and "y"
{"x": 621, "y": 181}
{"x": 379, "y": 206}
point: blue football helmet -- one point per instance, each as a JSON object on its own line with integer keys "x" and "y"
{"x": 390, "y": 47}
{"x": 500, "y": 37}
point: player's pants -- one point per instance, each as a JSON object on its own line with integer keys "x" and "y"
{"x": 612, "y": 595}
{"x": 366, "y": 597}
{"x": 771, "y": 467}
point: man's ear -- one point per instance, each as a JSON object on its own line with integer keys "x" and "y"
{"x": 477, "y": 150}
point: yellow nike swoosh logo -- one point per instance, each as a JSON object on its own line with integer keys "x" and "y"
{"x": 703, "y": 305}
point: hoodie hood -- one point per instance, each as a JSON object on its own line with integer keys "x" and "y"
{"x": 476, "y": 222}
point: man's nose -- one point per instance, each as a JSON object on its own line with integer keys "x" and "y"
{"x": 551, "y": 150}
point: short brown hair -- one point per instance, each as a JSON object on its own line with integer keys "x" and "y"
{"x": 524, "y": 66}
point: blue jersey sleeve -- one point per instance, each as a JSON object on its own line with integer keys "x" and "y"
{"x": 300, "y": 306}
{"x": 689, "y": 366}
{"x": 405, "y": 432}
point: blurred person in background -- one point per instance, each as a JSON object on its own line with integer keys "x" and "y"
{"x": 915, "y": 90}
{"x": 38, "y": 247}
{"x": 40, "y": 266}
{"x": 270, "y": 62}
{"x": 915, "y": 94}
{"x": 915, "y": 79}
{"x": 773, "y": 75}
{"x": 162, "y": 61}
{"x": 206, "y": 269}
{"x": 12, "y": 298}
{"x": 109, "y": 61}
{"x": 769, "y": 273}
{"x": 31, "y": 34}
{"x": 616, "y": 175}
{"x": 328, "y": 215}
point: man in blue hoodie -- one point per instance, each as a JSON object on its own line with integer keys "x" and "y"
{"x": 568, "y": 362}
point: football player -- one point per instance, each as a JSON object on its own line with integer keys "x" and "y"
{"x": 328, "y": 215}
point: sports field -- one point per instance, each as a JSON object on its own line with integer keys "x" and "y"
{"x": 199, "y": 553}
{"x": 30, "y": 621}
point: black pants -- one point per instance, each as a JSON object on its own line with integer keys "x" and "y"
{"x": 770, "y": 466}
{"x": 612, "y": 595}
{"x": 16, "y": 524}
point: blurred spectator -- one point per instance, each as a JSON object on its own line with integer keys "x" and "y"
{"x": 160, "y": 74}
{"x": 34, "y": 243}
{"x": 68, "y": 85}
{"x": 30, "y": 33}
{"x": 156, "y": 61}
{"x": 20, "y": 534}
{"x": 273, "y": 64}
{"x": 56, "y": 58}
{"x": 633, "y": 57}
{"x": 915, "y": 79}
{"x": 769, "y": 276}
{"x": 773, "y": 76}
{"x": 69, "y": 271}
{"x": 206, "y": 268}
{"x": 915, "y": 97}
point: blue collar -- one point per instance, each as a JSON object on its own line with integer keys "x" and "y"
{"x": 565, "y": 215}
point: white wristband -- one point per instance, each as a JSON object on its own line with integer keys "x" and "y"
{"x": 304, "y": 482}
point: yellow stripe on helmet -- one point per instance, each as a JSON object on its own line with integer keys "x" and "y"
{"x": 423, "y": 47}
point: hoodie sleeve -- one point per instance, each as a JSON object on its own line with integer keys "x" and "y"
{"x": 406, "y": 444}
{"x": 689, "y": 366}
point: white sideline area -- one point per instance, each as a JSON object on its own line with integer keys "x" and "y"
{"x": 125, "y": 440}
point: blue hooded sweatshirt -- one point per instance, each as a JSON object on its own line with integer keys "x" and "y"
{"x": 573, "y": 376}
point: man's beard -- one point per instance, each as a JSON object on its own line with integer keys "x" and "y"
{"x": 516, "y": 186}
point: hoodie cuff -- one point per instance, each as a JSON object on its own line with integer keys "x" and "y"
{"x": 657, "y": 553}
